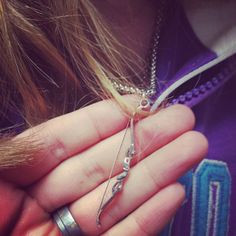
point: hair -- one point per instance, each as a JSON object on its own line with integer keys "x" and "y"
{"x": 51, "y": 48}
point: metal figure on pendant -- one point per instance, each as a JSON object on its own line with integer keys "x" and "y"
{"x": 131, "y": 152}
{"x": 146, "y": 95}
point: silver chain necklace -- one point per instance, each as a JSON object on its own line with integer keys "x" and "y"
{"x": 146, "y": 94}
{"x": 151, "y": 70}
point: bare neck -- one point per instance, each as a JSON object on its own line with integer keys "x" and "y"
{"x": 131, "y": 21}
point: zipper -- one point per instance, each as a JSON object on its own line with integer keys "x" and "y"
{"x": 200, "y": 92}
{"x": 205, "y": 88}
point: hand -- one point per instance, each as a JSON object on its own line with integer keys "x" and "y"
{"x": 73, "y": 166}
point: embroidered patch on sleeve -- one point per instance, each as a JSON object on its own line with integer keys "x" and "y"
{"x": 211, "y": 199}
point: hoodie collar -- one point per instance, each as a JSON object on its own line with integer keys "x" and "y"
{"x": 189, "y": 47}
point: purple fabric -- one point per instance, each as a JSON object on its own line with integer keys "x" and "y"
{"x": 216, "y": 118}
{"x": 181, "y": 52}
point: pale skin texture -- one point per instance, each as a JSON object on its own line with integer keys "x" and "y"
{"x": 77, "y": 157}
{"x": 132, "y": 23}
{"x": 79, "y": 148}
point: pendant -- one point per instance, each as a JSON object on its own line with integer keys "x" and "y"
{"x": 144, "y": 105}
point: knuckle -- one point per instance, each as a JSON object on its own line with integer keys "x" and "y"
{"x": 114, "y": 215}
{"x": 94, "y": 123}
{"x": 95, "y": 173}
{"x": 153, "y": 177}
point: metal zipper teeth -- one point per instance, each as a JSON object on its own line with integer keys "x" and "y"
{"x": 206, "y": 87}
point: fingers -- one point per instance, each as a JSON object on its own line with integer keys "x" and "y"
{"x": 21, "y": 214}
{"x": 151, "y": 217}
{"x": 66, "y": 135}
{"x": 82, "y": 173}
{"x": 11, "y": 201}
{"x": 151, "y": 175}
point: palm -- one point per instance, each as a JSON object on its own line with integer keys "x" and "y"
{"x": 31, "y": 218}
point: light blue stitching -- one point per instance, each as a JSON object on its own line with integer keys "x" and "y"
{"x": 167, "y": 230}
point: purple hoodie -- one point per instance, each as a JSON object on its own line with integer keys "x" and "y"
{"x": 203, "y": 78}
{"x": 197, "y": 67}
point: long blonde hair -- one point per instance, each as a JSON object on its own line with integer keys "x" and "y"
{"x": 53, "y": 47}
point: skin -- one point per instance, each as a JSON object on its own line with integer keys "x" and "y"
{"x": 132, "y": 23}
{"x": 77, "y": 151}
{"x": 77, "y": 154}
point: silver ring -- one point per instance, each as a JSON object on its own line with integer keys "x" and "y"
{"x": 66, "y": 222}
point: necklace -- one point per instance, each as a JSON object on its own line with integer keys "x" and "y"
{"x": 151, "y": 70}
{"x": 146, "y": 94}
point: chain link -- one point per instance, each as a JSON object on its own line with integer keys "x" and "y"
{"x": 151, "y": 70}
